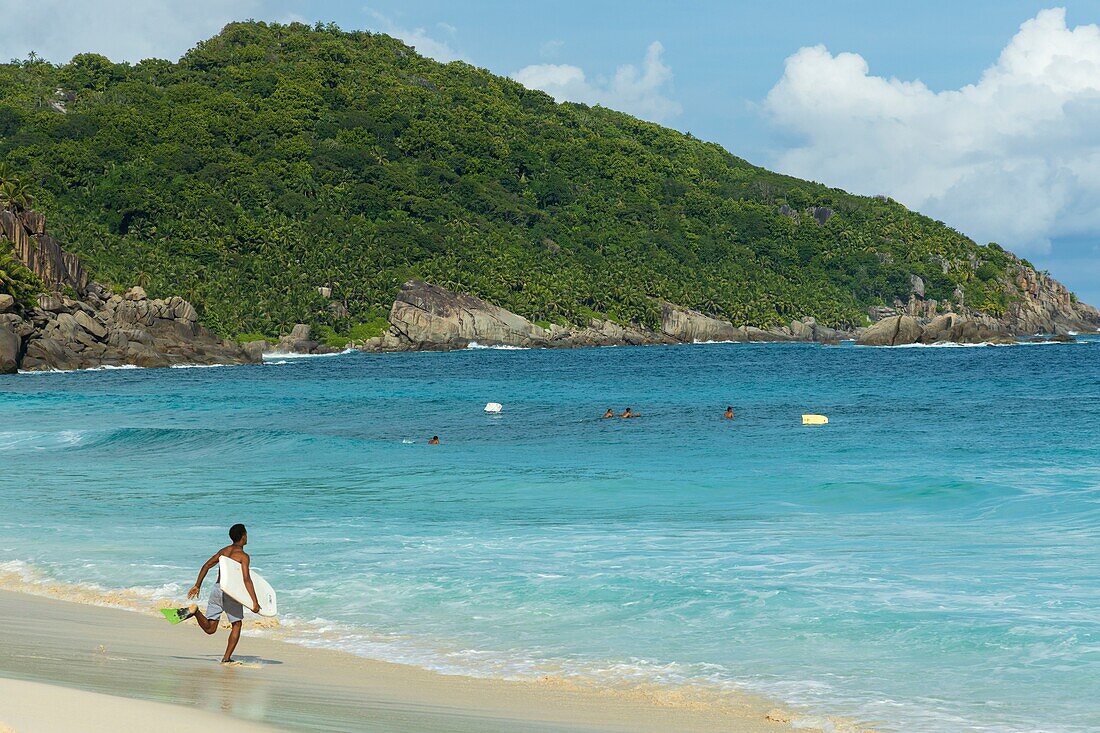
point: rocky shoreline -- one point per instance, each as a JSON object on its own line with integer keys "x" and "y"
{"x": 82, "y": 324}
{"x": 101, "y": 329}
{"x": 427, "y": 317}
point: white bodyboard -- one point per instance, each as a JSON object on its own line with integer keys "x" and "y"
{"x": 231, "y": 580}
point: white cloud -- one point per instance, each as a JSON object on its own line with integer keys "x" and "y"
{"x": 419, "y": 39}
{"x": 642, "y": 93}
{"x": 1013, "y": 158}
{"x": 122, "y": 30}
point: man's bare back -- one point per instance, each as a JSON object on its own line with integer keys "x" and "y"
{"x": 233, "y": 552}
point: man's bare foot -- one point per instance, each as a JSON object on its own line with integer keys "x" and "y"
{"x": 230, "y": 663}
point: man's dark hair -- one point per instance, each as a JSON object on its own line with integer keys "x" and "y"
{"x": 236, "y": 532}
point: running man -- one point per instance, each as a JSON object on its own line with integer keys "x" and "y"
{"x": 220, "y": 603}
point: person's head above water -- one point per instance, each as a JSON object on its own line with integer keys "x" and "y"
{"x": 238, "y": 534}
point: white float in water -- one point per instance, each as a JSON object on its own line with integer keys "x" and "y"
{"x": 815, "y": 420}
{"x": 493, "y": 407}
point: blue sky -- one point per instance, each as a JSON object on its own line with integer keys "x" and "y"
{"x": 983, "y": 113}
{"x": 725, "y": 55}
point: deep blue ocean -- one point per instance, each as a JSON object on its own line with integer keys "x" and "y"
{"x": 928, "y": 561}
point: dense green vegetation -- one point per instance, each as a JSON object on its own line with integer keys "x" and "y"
{"x": 15, "y": 279}
{"x": 271, "y": 160}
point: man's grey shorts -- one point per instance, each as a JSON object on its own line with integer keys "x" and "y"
{"x": 234, "y": 610}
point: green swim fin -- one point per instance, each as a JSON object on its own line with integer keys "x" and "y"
{"x": 175, "y": 615}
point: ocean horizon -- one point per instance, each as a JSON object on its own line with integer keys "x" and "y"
{"x": 924, "y": 562}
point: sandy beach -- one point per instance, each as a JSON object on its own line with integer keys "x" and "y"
{"x": 62, "y": 661}
{"x": 34, "y": 707}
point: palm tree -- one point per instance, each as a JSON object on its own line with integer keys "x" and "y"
{"x": 23, "y": 195}
{"x": 13, "y": 192}
{"x": 18, "y": 281}
{"x": 15, "y": 195}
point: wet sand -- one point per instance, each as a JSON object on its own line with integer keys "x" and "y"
{"x": 138, "y": 656}
{"x": 33, "y": 707}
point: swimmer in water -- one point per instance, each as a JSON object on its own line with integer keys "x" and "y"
{"x": 729, "y": 413}
{"x": 434, "y": 440}
{"x": 627, "y": 413}
{"x": 609, "y": 413}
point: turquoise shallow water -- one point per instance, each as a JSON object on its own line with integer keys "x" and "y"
{"x": 929, "y": 561}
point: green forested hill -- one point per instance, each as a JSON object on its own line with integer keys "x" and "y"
{"x": 274, "y": 159}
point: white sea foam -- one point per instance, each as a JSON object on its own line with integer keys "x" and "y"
{"x": 749, "y": 343}
{"x": 100, "y": 368}
{"x": 954, "y": 345}
{"x": 12, "y": 439}
{"x": 690, "y": 683}
{"x": 417, "y": 650}
{"x": 290, "y": 355}
{"x": 445, "y": 658}
{"x": 497, "y": 347}
{"x": 19, "y": 569}
{"x": 21, "y": 576}
{"x": 937, "y": 345}
{"x": 941, "y": 345}
{"x": 40, "y": 440}
{"x": 1051, "y": 343}
{"x": 117, "y": 368}
{"x": 71, "y": 437}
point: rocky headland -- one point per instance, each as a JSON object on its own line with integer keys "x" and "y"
{"x": 428, "y": 317}
{"x": 77, "y": 323}
{"x": 1039, "y": 307}
{"x": 80, "y": 324}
